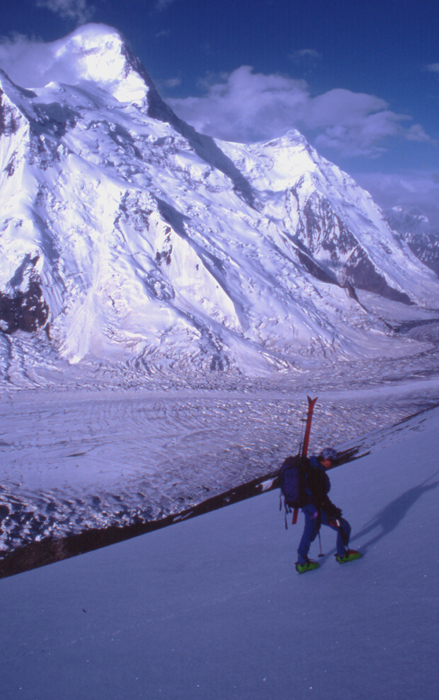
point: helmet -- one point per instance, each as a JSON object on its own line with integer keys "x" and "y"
{"x": 329, "y": 453}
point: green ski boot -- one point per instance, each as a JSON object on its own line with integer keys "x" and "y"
{"x": 350, "y": 555}
{"x": 309, "y": 565}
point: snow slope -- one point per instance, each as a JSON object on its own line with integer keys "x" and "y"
{"x": 126, "y": 234}
{"x": 212, "y": 608}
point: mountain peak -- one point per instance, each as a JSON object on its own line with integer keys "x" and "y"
{"x": 123, "y": 230}
{"x": 99, "y": 54}
{"x": 93, "y": 53}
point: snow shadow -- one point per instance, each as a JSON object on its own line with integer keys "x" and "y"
{"x": 212, "y": 263}
{"x": 204, "y": 146}
{"x": 390, "y": 517}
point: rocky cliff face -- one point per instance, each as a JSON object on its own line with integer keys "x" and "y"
{"x": 131, "y": 234}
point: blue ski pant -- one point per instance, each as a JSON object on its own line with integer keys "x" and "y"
{"x": 312, "y": 527}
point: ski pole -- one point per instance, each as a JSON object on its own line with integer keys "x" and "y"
{"x": 320, "y": 545}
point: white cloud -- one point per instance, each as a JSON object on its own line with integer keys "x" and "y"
{"x": 246, "y": 106}
{"x": 433, "y": 67}
{"x": 25, "y": 61}
{"x": 163, "y": 4}
{"x": 305, "y": 54}
{"x": 172, "y": 82}
{"x": 33, "y": 64}
{"x": 78, "y": 10}
{"x": 163, "y": 33}
{"x": 417, "y": 133}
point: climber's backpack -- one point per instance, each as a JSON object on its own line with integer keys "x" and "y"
{"x": 292, "y": 483}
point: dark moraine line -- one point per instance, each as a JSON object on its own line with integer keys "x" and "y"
{"x": 50, "y": 550}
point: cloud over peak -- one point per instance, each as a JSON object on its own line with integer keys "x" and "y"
{"x": 247, "y": 106}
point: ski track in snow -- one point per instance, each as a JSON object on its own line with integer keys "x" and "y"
{"x": 105, "y": 454}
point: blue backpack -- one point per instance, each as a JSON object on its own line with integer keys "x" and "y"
{"x": 292, "y": 482}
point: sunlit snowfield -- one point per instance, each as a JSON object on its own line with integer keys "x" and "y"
{"x": 92, "y": 446}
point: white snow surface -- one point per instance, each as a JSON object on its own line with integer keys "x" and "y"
{"x": 212, "y": 608}
{"x": 156, "y": 243}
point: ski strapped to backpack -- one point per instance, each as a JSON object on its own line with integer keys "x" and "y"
{"x": 292, "y": 475}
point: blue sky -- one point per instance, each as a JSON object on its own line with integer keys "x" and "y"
{"x": 359, "y": 79}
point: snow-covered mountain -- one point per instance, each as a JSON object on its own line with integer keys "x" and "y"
{"x": 125, "y": 232}
{"x": 416, "y": 230}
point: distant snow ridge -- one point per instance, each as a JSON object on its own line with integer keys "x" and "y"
{"x": 134, "y": 236}
{"x": 416, "y": 230}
